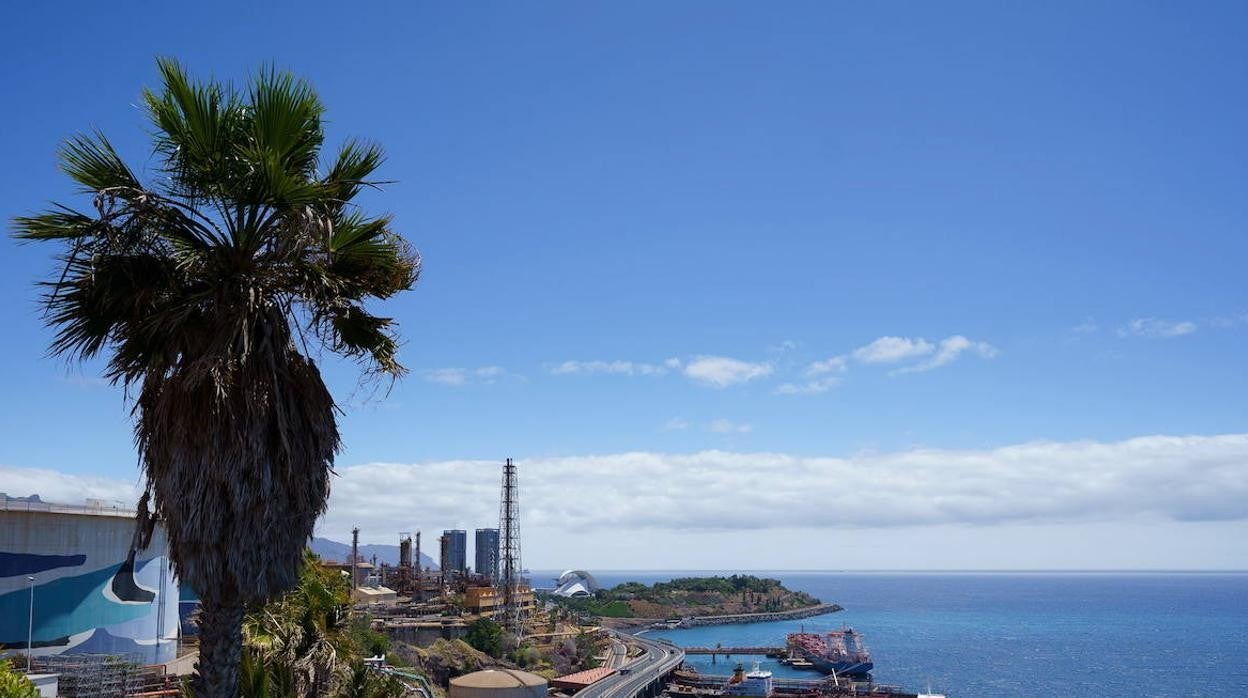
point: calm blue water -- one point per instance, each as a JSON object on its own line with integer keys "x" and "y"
{"x": 969, "y": 634}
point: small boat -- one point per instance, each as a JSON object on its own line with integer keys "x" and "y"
{"x": 801, "y": 664}
{"x": 753, "y": 684}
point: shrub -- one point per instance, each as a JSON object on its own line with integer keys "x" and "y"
{"x": 14, "y": 684}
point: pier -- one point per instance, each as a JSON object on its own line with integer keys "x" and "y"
{"x": 728, "y": 651}
{"x": 692, "y": 683}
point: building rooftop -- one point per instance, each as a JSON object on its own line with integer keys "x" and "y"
{"x": 581, "y": 679}
{"x": 91, "y": 507}
{"x": 374, "y": 591}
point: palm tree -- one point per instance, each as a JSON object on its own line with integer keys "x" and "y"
{"x": 207, "y": 289}
{"x": 307, "y": 632}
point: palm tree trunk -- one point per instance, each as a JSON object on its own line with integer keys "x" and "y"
{"x": 220, "y": 647}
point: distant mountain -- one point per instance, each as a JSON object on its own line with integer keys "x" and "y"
{"x": 333, "y": 550}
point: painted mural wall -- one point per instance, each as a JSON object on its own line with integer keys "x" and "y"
{"x": 86, "y": 598}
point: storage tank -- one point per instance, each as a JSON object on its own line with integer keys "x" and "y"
{"x": 498, "y": 683}
{"x": 86, "y": 598}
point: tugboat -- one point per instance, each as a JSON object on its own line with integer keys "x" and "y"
{"x": 755, "y": 684}
{"x": 840, "y": 653}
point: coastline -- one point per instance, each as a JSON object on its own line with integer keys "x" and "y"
{"x": 697, "y": 621}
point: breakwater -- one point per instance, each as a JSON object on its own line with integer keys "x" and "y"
{"x": 697, "y": 621}
{"x": 821, "y": 609}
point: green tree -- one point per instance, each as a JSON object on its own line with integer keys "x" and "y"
{"x": 365, "y": 683}
{"x": 587, "y": 648}
{"x": 207, "y": 289}
{"x": 308, "y": 642}
{"x": 13, "y": 684}
{"x": 307, "y": 635}
{"x": 485, "y": 636}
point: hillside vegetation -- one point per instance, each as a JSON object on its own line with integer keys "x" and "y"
{"x": 691, "y": 597}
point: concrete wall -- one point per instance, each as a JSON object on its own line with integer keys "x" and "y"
{"x": 86, "y": 600}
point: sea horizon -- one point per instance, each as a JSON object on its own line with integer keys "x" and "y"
{"x": 660, "y": 571}
{"x": 1107, "y": 633}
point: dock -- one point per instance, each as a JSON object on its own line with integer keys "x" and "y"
{"x": 726, "y": 651}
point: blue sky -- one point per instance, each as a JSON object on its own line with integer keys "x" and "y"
{"x": 951, "y": 228}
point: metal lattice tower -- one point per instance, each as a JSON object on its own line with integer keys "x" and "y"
{"x": 509, "y": 550}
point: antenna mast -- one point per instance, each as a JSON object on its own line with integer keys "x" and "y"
{"x": 509, "y": 549}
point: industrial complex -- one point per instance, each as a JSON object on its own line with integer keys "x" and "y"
{"x": 494, "y": 588}
{"x": 77, "y": 601}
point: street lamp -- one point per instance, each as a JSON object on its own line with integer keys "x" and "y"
{"x": 30, "y": 625}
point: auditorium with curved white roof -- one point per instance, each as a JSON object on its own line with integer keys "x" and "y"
{"x": 576, "y": 584}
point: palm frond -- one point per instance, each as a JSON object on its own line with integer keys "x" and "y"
{"x": 197, "y": 129}
{"x": 357, "y": 333}
{"x": 60, "y": 224}
{"x": 370, "y": 259}
{"x": 356, "y": 162}
{"x": 92, "y": 162}
{"x": 286, "y": 120}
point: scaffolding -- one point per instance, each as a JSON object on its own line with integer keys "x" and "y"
{"x": 94, "y": 675}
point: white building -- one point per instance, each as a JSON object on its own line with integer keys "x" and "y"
{"x": 575, "y": 584}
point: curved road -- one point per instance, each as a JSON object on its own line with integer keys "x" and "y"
{"x": 656, "y": 661}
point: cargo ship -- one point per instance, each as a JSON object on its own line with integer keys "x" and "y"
{"x": 841, "y": 653}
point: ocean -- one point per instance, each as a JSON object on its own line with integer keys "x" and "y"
{"x": 1016, "y": 634}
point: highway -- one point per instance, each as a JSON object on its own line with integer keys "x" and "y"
{"x": 617, "y": 654}
{"x": 656, "y": 661}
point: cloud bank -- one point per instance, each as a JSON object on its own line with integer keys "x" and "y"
{"x": 55, "y": 486}
{"x": 1176, "y": 478}
{"x": 1179, "y": 478}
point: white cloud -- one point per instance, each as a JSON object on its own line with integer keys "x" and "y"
{"x": 724, "y": 426}
{"x": 1088, "y": 326}
{"x": 1155, "y": 328}
{"x": 836, "y": 364}
{"x": 463, "y": 376}
{"x": 784, "y": 347}
{"x": 721, "y": 371}
{"x": 1227, "y": 322}
{"x": 626, "y": 368}
{"x": 811, "y": 387}
{"x": 889, "y": 350}
{"x": 950, "y": 349}
{"x": 446, "y": 376}
{"x": 676, "y": 424}
{"x": 80, "y": 380}
{"x": 54, "y": 486}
